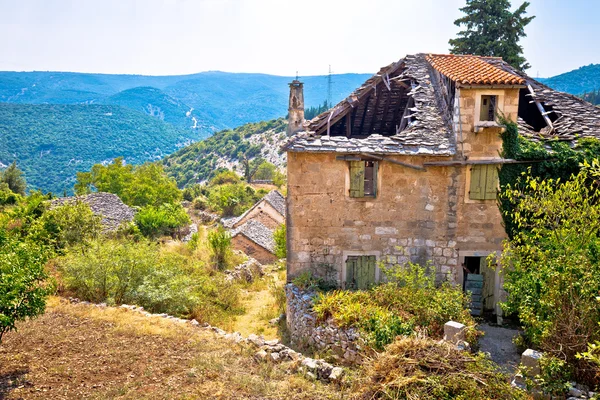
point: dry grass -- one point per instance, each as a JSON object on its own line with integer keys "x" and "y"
{"x": 421, "y": 368}
{"x": 78, "y": 351}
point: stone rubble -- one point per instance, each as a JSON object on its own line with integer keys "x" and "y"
{"x": 247, "y": 271}
{"x": 345, "y": 345}
{"x": 272, "y": 351}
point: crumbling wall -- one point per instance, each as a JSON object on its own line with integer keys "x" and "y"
{"x": 345, "y": 345}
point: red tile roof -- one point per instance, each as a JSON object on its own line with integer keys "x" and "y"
{"x": 472, "y": 70}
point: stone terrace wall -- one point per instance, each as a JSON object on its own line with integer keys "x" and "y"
{"x": 345, "y": 345}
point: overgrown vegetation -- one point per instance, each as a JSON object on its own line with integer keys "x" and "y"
{"x": 279, "y": 235}
{"x": 422, "y": 368}
{"x": 408, "y": 304}
{"x": 160, "y": 280}
{"x": 553, "y": 263}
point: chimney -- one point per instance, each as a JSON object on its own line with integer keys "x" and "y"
{"x": 296, "y": 108}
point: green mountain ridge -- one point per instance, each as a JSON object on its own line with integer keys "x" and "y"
{"x": 579, "y": 81}
{"x": 53, "y": 142}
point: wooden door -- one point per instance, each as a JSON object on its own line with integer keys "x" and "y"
{"x": 360, "y": 272}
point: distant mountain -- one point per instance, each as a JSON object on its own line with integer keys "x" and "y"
{"x": 577, "y": 82}
{"x": 199, "y": 161}
{"x": 219, "y": 100}
{"x": 52, "y": 142}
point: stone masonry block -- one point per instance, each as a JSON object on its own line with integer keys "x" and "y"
{"x": 531, "y": 359}
{"x": 454, "y": 332}
{"x": 386, "y": 230}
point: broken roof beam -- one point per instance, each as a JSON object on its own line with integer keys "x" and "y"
{"x": 362, "y": 157}
{"x": 541, "y": 108}
{"x": 479, "y": 162}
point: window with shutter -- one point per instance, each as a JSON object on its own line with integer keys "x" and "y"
{"x": 484, "y": 182}
{"x": 488, "y": 108}
{"x": 363, "y": 178}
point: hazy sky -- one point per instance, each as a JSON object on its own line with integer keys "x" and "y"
{"x": 164, "y": 37}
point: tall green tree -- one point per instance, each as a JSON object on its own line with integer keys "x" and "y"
{"x": 13, "y": 177}
{"x": 491, "y": 29}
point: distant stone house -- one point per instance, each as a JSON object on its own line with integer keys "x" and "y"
{"x": 106, "y": 205}
{"x": 256, "y": 240}
{"x": 405, "y": 169}
{"x": 252, "y": 232}
{"x": 270, "y": 211}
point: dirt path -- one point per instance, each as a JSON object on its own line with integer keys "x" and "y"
{"x": 260, "y": 309}
{"x": 498, "y": 341}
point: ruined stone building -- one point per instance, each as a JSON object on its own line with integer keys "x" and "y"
{"x": 405, "y": 169}
{"x": 252, "y": 232}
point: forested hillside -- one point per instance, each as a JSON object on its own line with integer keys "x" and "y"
{"x": 200, "y": 161}
{"x": 52, "y": 142}
{"x": 582, "y": 80}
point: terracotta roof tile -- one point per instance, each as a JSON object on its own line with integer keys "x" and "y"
{"x": 472, "y": 70}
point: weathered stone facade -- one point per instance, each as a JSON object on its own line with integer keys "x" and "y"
{"x": 252, "y": 249}
{"x": 345, "y": 345}
{"x": 419, "y": 216}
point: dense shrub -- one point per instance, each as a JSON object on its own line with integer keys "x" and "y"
{"x": 421, "y": 368}
{"x": 279, "y": 235}
{"x": 69, "y": 224}
{"x": 232, "y": 199}
{"x": 142, "y": 273}
{"x": 24, "y": 283}
{"x": 224, "y": 177}
{"x": 141, "y": 185}
{"x": 13, "y": 178}
{"x": 219, "y": 242}
{"x": 408, "y": 303}
{"x": 553, "y": 264}
{"x": 166, "y": 219}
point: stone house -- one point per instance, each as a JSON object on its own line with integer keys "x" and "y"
{"x": 405, "y": 169}
{"x": 270, "y": 211}
{"x": 252, "y": 232}
{"x": 256, "y": 240}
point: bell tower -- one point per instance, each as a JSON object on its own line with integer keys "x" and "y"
{"x": 296, "y": 107}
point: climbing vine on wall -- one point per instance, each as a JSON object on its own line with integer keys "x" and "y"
{"x": 552, "y": 159}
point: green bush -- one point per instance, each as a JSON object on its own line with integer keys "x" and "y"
{"x": 280, "y": 241}
{"x": 552, "y": 272}
{"x": 141, "y": 273}
{"x": 166, "y": 219}
{"x": 69, "y": 224}
{"x": 224, "y": 177}
{"x": 410, "y": 301}
{"x": 219, "y": 242}
{"x": 232, "y": 199}
{"x": 24, "y": 283}
{"x": 141, "y": 185}
{"x": 13, "y": 178}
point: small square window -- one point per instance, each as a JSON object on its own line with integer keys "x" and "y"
{"x": 363, "y": 178}
{"x": 488, "y": 108}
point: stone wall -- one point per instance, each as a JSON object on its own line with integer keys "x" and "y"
{"x": 344, "y": 345}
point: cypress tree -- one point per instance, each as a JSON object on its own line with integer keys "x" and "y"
{"x": 491, "y": 29}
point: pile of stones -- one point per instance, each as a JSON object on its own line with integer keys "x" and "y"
{"x": 345, "y": 345}
{"x": 247, "y": 271}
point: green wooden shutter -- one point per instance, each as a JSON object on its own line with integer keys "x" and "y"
{"x": 491, "y": 182}
{"x": 375, "y": 168}
{"x": 477, "y": 185}
{"x": 357, "y": 178}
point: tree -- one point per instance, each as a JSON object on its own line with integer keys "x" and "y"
{"x": 279, "y": 235}
{"x": 251, "y": 166}
{"x": 492, "y": 30}
{"x": 13, "y": 177}
{"x": 219, "y": 242}
{"x": 24, "y": 283}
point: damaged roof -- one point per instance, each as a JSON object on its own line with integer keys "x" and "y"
{"x": 407, "y": 108}
{"x": 402, "y": 91}
{"x": 257, "y": 233}
{"x": 274, "y": 198}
